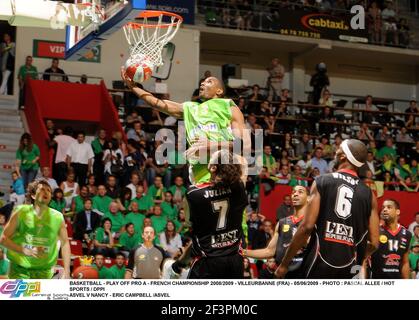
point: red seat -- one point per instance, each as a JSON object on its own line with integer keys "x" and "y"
{"x": 76, "y": 247}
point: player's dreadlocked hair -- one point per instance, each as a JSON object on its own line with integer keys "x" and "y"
{"x": 227, "y": 171}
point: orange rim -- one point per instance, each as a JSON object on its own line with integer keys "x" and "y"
{"x": 155, "y": 14}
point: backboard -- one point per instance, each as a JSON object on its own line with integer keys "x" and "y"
{"x": 114, "y": 14}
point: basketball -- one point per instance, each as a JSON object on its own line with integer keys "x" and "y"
{"x": 138, "y": 71}
{"x": 84, "y": 272}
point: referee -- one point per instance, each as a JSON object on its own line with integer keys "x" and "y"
{"x": 146, "y": 260}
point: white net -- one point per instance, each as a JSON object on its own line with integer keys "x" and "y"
{"x": 147, "y": 39}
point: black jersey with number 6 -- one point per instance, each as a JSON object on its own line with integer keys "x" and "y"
{"x": 216, "y": 215}
{"x": 341, "y": 229}
{"x": 386, "y": 262}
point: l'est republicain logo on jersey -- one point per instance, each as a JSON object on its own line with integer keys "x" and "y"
{"x": 316, "y": 21}
{"x": 20, "y": 288}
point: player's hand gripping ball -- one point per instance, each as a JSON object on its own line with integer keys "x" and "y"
{"x": 138, "y": 71}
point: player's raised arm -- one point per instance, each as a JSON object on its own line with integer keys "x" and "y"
{"x": 267, "y": 252}
{"x": 239, "y": 130}
{"x": 171, "y": 108}
{"x": 303, "y": 232}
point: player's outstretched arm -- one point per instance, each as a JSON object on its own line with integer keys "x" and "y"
{"x": 239, "y": 130}
{"x": 303, "y": 232}
{"x": 171, "y": 108}
{"x": 65, "y": 250}
{"x": 267, "y": 252}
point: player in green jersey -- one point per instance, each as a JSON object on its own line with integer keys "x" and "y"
{"x": 213, "y": 124}
{"x": 32, "y": 234}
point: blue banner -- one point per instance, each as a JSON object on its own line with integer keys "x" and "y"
{"x": 184, "y": 8}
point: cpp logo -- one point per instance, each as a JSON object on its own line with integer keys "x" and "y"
{"x": 19, "y": 288}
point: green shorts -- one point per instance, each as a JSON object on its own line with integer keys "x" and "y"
{"x": 18, "y": 272}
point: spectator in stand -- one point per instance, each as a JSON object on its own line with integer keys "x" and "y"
{"x": 112, "y": 189}
{"x": 27, "y": 159}
{"x": 414, "y": 223}
{"x": 70, "y": 188}
{"x": 364, "y": 133}
{"x": 269, "y": 271}
{"x": 178, "y": 191}
{"x": 101, "y": 201}
{"x": 288, "y": 145}
{"x": 254, "y": 221}
{"x": 135, "y": 181}
{"x": 254, "y": 99}
{"x": 402, "y": 169}
{"x": 403, "y": 136}
{"x": 159, "y": 221}
{"x": 389, "y": 25}
{"x": 284, "y": 175}
{"x": 17, "y": 190}
{"x": 404, "y": 32}
{"x": 388, "y": 181}
{"x": 388, "y": 150}
{"x": 374, "y": 23}
{"x": 304, "y": 146}
{"x": 265, "y": 109}
{"x": 242, "y": 105}
{"x": 305, "y": 162}
{"x": 274, "y": 82}
{"x": 170, "y": 240}
{"x": 80, "y": 156}
{"x": 413, "y": 109}
{"x": 117, "y": 135}
{"x": 408, "y": 185}
{"x": 169, "y": 209}
{"x": 145, "y": 202}
{"x": 134, "y": 161}
{"x": 98, "y": 147}
{"x": 156, "y": 191}
{"x": 319, "y": 81}
{"x": 133, "y": 117}
{"x": 248, "y": 271}
{"x": 129, "y": 239}
{"x": 326, "y": 99}
{"x": 297, "y": 178}
{"x": 113, "y": 159}
{"x": 104, "y": 239}
{"x": 91, "y": 185}
{"x": 52, "y": 132}
{"x": 285, "y": 209}
{"x": 135, "y": 217}
{"x": 414, "y": 260}
{"x": 99, "y": 265}
{"x": 7, "y": 54}
{"x": 327, "y": 149}
{"x": 117, "y": 271}
{"x": 368, "y": 117}
{"x": 27, "y": 71}
{"x": 415, "y": 236}
{"x": 116, "y": 217}
{"x": 269, "y": 161}
{"x": 136, "y": 132}
{"x": 372, "y": 165}
{"x": 53, "y": 73}
{"x": 155, "y": 119}
{"x": 46, "y": 176}
{"x": 414, "y": 152}
{"x": 58, "y": 202}
{"x": 63, "y": 141}
{"x": 86, "y": 222}
{"x": 318, "y": 161}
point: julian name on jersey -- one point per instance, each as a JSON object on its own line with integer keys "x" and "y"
{"x": 348, "y": 179}
{"x": 224, "y": 239}
{"x": 339, "y": 232}
{"x": 216, "y": 193}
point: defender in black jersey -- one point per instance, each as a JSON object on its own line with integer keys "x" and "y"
{"x": 216, "y": 212}
{"x": 284, "y": 232}
{"x": 341, "y": 216}
{"x": 391, "y": 260}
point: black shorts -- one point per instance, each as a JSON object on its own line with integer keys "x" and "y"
{"x": 229, "y": 267}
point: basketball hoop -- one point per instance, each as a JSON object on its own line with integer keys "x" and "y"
{"x": 148, "y": 37}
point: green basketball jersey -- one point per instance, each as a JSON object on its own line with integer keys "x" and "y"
{"x": 210, "y": 119}
{"x": 36, "y": 232}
